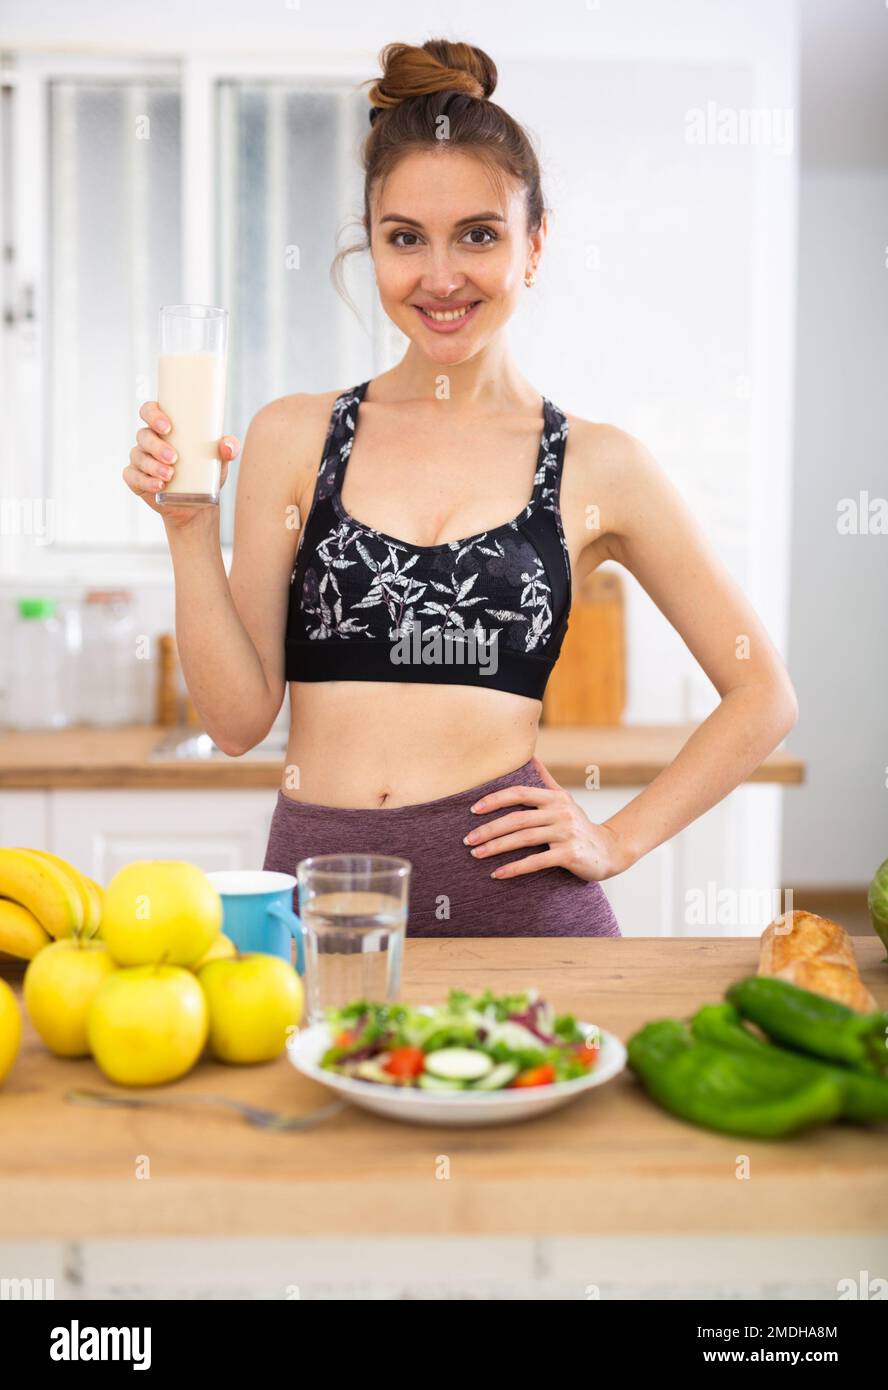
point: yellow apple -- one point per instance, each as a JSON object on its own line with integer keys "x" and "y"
{"x": 254, "y": 1000}
{"x": 222, "y": 948}
{"x": 147, "y": 1024}
{"x": 10, "y": 1029}
{"x": 160, "y": 911}
{"x": 60, "y": 985}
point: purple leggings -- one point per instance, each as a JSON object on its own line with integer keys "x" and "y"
{"x": 451, "y": 893}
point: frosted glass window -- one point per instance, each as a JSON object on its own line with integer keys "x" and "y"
{"x": 114, "y": 257}
{"x": 289, "y": 182}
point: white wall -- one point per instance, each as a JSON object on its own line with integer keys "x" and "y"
{"x": 836, "y": 827}
{"x": 659, "y": 312}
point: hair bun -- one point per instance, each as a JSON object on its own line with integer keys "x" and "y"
{"x": 438, "y": 66}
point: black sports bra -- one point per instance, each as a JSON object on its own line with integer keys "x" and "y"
{"x": 489, "y": 610}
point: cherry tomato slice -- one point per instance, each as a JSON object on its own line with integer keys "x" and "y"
{"x": 536, "y": 1076}
{"x": 405, "y": 1061}
{"x": 587, "y": 1052}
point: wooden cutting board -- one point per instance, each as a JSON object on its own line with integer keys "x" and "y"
{"x": 588, "y": 685}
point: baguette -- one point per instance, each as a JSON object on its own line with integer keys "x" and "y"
{"x": 816, "y": 954}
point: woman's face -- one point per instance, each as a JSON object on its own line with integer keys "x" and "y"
{"x": 450, "y": 255}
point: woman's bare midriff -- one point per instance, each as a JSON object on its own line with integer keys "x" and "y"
{"x": 369, "y": 744}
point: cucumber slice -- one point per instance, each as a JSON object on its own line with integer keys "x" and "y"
{"x": 496, "y": 1079}
{"x": 458, "y": 1064}
{"x": 515, "y": 1036}
{"x": 370, "y": 1070}
{"x": 437, "y": 1083}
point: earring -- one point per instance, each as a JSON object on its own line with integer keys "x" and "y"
{"x": 530, "y": 278}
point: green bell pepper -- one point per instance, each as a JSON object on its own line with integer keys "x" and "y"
{"x": 814, "y": 1024}
{"x": 865, "y": 1096}
{"x": 728, "y": 1089}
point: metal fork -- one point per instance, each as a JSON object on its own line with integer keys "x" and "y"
{"x": 253, "y": 1114}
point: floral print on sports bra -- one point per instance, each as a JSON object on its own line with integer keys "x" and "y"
{"x": 361, "y": 601}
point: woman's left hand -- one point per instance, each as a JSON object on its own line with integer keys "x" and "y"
{"x": 590, "y": 851}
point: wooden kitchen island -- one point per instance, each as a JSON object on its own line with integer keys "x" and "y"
{"x": 609, "y": 1194}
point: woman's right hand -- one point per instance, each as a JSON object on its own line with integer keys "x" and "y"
{"x": 150, "y": 467}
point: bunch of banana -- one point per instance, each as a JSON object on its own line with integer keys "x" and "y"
{"x": 41, "y": 897}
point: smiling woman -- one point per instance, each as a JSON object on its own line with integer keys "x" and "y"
{"x": 454, "y": 231}
{"x": 446, "y": 315}
{"x": 434, "y": 102}
{"x": 447, "y": 501}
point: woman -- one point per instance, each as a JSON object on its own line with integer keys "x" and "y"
{"x": 391, "y": 586}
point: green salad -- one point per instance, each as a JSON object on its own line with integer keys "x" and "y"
{"x": 485, "y": 1043}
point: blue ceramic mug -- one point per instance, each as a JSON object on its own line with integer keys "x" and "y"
{"x": 257, "y": 907}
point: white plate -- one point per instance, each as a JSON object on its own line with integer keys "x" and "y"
{"x": 308, "y": 1045}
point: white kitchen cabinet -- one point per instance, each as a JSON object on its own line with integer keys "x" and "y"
{"x": 100, "y": 831}
{"x": 24, "y": 819}
{"x": 718, "y": 877}
{"x": 641, "y": 897}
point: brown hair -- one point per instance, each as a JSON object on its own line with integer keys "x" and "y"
{"x": 417, "y": 88}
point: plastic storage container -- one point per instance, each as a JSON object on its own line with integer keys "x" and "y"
{"x": 108, "y": 673}
{"x": 38, "y": 666}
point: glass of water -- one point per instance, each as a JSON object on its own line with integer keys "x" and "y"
{"x": 353, "y": 909}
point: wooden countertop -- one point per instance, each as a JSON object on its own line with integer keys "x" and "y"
{"x": 627, "y": 756}
{"x": 611, "y": 1161}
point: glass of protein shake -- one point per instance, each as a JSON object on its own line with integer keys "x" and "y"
{"x": 191, "y": 393}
